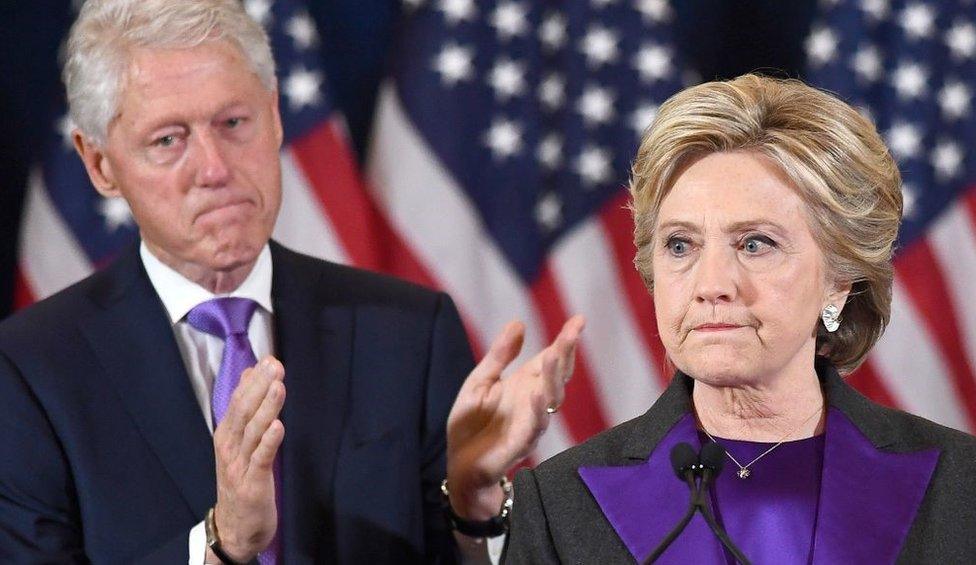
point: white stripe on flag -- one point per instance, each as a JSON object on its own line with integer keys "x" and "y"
{"x": 50, "y": 257}
{"x": 583, "y": 268}
{"x": 911, "y": 366}
{"x": 302, "y": 224}
{"x": 953, "y": 240}
{"x": 434, "y": 217}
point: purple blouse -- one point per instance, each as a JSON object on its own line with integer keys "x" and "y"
{"x": 771, "y": 515}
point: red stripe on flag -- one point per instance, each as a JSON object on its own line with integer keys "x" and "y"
{"x": 23, "y": 295}
{"x": 922, "y": 277}
{"x": 969, "y": 200}
{"x": 367, "y": 237}
{"x": 619, "y": 226}
{"x": 581, "y": 408}
{"x": 866, "y": 380}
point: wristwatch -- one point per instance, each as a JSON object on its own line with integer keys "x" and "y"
{"x": 492, "y": 527}
{"x": 213, "y": 539}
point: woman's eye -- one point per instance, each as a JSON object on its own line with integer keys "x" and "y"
{"x": 166, "y": 141}
{"x": 677, "y": 247}
{"x": 757, "y": 244}
{"x": 234, "y": 122}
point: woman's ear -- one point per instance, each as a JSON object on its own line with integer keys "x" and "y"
{"x": 838, "y": 294}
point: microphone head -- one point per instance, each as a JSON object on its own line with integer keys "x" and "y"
{"x": 713, "y": 457}
{"x": 683, "y": 459}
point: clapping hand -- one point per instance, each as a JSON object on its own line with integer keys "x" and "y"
{"x": 496, "y": 422}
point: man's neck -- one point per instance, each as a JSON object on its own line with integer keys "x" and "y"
{"x": 217, "y": 282}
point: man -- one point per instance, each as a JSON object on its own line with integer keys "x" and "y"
{"x": 111, "y": 388}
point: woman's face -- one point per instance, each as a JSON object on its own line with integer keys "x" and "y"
{"x": 739, "y": 281}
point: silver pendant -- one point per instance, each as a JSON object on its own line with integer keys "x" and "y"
{"x": 744, "y": 473}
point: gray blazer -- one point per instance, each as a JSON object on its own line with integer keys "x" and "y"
{"x": 557, "y": 518}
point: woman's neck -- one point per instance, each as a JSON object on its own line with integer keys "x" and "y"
{"x": 785, "y": 409}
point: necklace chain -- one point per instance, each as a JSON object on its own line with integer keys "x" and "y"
{"x": 744, "y": 471}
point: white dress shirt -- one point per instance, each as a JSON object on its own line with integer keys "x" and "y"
{"x": 202, "y": 354}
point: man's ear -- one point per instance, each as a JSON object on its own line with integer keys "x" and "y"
{"x": 276, "y": 116}
{"x": 97, "y": 164}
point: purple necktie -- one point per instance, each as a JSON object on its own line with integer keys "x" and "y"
{"x": 228, "y": 318}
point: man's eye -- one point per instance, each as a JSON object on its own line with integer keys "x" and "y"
{"x": 166, "y": 141}
{"x": 234, "y": 122}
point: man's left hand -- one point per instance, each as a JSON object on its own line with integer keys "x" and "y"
{"x": 495, "y": 422}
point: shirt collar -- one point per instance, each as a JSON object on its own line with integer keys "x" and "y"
{"x": 180, "y": 295}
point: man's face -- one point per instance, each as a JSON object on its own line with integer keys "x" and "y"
{"x": 194, "y": 150}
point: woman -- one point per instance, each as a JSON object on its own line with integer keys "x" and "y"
{"x": 766, "y": 213}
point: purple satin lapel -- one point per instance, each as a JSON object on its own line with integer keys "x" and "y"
{"x": 644, "y": 502}
{"x": 868, "y": 498}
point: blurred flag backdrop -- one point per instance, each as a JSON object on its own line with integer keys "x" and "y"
{"x": 496, "y": 171}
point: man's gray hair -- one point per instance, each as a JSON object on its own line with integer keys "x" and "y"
{"x": 99, "y": 45}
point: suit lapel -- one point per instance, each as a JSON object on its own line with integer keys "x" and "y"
{"x": 644, "y": 502}
{"x": 133, "y": 341}
{"x": 314, "y": 342}
{"x": 869, "y": 496}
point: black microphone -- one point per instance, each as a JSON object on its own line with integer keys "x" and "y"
{"x": 684, "y": 461}
{"x": 711, "y": 462}
{"x": 687, "y": 465}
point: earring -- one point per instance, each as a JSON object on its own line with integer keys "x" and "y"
{"x": 831, "y": 317}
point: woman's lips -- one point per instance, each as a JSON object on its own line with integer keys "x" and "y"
{"x": 716, "y": 327}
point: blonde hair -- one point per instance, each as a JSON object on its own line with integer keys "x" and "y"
{"x": 98, "y": 46}
{"x": 840, "y": 167}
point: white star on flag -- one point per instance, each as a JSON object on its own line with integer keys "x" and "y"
{"x": 947, "y": 160}
{"x": 954, "y": 100}
{"x": 116, "y": 213}
{"x": 596, "y": 105}
{"x": 456, "y": 11}
{"x": 642, "y": 117}
{"x": 821, "y": 46}
{"x": 910, "y": 80}
{"x": 549, "y": 211}
{"x": 550, "y": 152}
{"x": 302, "y": 88}
{"x": 593, "y": 166}
{"x": 599, "y": 45}
{"x": 301, "y": 28}
{"x": 904, "y": 140}
{"x": 504, "y": 138}
{"x": 961, "y": 39}
{"x": 552, "y": 92}
{"x": 66, "y": 127}
{"x": 653, "y": 62}
{"x": 552, "y": 32}
{"x": 454, "y": 63}
{"x": 509, "y": 20}
{"x": 653, "y": 11}
{"x": 877, "y": 10}
{"x": 917, "y": 20}
{"x": 259, "y": 10}
{"x": 507, "y": 79}
{"x": 909, "y": 198}
{"x": 867, "y": 63}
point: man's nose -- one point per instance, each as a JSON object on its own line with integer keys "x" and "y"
{"x": 716, "y": 274}
{"x": 212, "y": 168}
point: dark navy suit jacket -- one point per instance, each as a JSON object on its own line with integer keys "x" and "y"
{"x": 105, "y": 456}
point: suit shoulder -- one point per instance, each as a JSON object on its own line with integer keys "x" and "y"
{"x": 605, "y": 448}
{"x": 47, "y": 318}
{"x": 917, "y": 432}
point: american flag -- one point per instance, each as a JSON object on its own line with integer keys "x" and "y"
{"x": 69, "y": 230}
{"x": 911, "y": 67}
{"x": 502, "y": 146}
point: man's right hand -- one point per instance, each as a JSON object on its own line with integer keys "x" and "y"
{"x": 245, "y": 443}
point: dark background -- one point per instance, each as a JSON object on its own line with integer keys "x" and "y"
{"x": 721, "y": 39}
